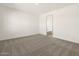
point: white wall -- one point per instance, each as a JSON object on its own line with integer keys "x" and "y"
{"x": 42, "y": 24}
{"x": 15, "y": 23}
{"x": 65, "y": 23}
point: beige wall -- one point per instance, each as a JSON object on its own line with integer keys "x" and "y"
{"x": 15, "y": 23}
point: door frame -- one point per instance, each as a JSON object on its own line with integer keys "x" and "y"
{"x": 46, "y": 23}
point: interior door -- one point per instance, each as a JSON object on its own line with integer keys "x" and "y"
{"x": 49, "y": 24}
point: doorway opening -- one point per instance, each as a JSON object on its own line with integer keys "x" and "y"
{"x": 49, "y": 25}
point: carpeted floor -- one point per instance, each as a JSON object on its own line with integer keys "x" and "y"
{"x": 38, "y": 45}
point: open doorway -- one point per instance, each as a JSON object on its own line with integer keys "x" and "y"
{"x": 49, "y": 25}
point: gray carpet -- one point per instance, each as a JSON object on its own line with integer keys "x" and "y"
{"x": 38, "y": 45}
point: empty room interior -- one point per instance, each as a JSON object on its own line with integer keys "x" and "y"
{"x": 39, "y": 29}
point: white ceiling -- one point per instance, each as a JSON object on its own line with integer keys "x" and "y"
{"x": 31, "y": 8}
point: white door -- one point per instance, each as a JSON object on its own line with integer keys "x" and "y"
{"x": 49, "y": 23}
